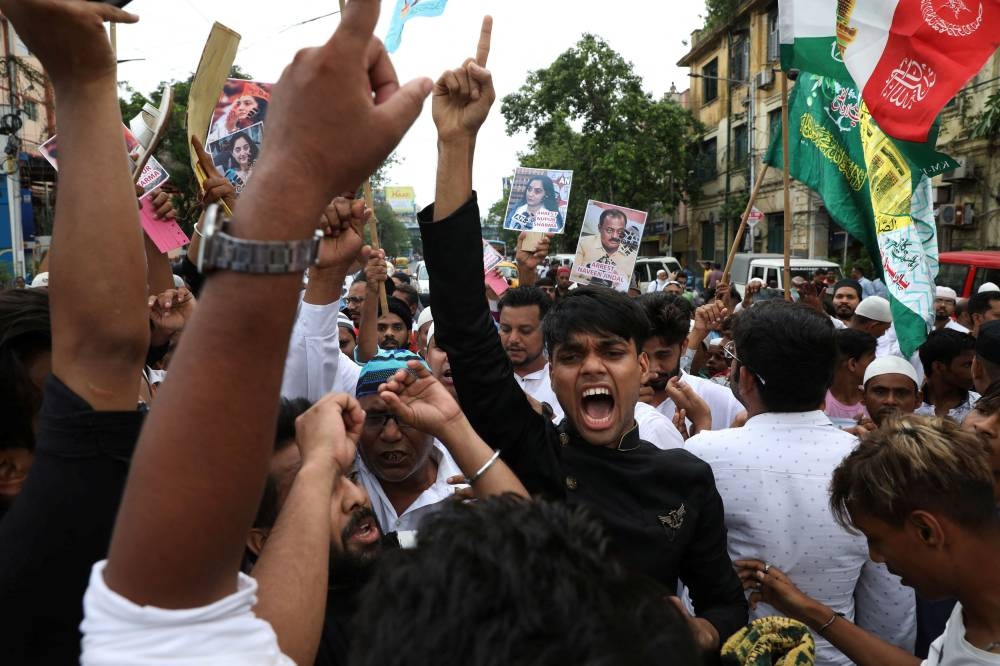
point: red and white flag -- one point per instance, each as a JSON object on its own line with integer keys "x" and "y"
{"x": 910, "y": 57}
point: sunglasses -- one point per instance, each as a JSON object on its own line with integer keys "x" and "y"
{"x": 729, "y": 349}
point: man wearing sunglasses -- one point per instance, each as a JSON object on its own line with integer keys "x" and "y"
{"x": 774, "y": 472}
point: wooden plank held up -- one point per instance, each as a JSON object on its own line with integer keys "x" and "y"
{"x": 373, "y": 228}
{"x": 743, "y": 224}
{"x": 787, "y": 182}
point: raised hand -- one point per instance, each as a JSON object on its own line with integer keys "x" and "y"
{"x": 376, "y": 271}
{"x": 216, "y": 186}
{"x": 163, "y": 207}
{"x": 419, "y": 399}
{"x": 338, "y": 109}
{"x": 695, "y": 408}
{"x": 170, "y": 311}
{"x": 463, "y": 96}
{"x": 328, "y": 432}
{"x": 531, "y": 259}
{"x": 342, "y": 223}
{"x": 68, "y": 37}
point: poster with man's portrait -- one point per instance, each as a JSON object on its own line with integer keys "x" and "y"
{"x": 539, "y": 199}
{"x": 241, "y": 104}
{"x": 608, "y": 245}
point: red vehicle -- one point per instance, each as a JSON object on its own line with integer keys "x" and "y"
{"x": 965, "y": 272}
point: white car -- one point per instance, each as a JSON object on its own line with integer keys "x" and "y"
{"x": 421, "y": 281}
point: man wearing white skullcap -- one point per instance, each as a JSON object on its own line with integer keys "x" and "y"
{"x": 945, "y": 300}
{"x": 873, "y": 315}
{"x": 890, "y": 388}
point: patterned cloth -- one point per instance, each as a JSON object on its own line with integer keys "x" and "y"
{"x": 770, "y": 641}
{"x": 381, "y": 367}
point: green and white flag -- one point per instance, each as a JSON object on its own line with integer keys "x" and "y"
{"x": 807, "y": 36}
{"x": 875, "y": 187}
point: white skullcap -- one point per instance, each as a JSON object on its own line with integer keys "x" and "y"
{"x": 755, "y": 281}
{"x": 345, "y": 321}
{"x": 890, "y": 365}
{"x": 988, "y": 286}
{"x": 425, "y": 316}
{"x": 41, "y": 280}
{"x": 949, "y": 293}
{"x": 430, "y": 333}
{"x": 875, "y": 308}
{"x": 661, "y": 272}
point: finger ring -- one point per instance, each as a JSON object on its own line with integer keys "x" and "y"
{"x": 767, "y": 567}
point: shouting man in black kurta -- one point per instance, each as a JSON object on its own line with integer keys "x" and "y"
{"x": 661, "y": 508}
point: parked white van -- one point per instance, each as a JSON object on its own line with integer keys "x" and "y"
{"x": 771, "y": 267}
{"x": 647, "y": 267}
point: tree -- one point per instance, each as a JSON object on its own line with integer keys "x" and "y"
{"x": 720, "y": 12}
{"x": 588, "y": 112}
{"x": 392, "y": 234}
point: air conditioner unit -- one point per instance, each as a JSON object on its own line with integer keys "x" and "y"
{"x": 765, "y": 78}
{"x": 964, "y": 171}
{"x": 946, "y": 215}
{"x": 965, "y": 216}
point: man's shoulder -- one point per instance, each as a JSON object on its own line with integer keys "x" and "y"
{"x": 681, "y": 465}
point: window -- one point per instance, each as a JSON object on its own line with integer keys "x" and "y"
{"x": 757, "y": 272}
{"x": 773, "y": 123}
{"x": 31, "y": 109}
{"x": 773, "y": 44}
{"x": 708, "y": 241}
{"x": 776, "y": 232}
{"x": 954, "y": 276}
{"x": 739, "y": 61}
{"x": 707, "y": 160}
{"x": 740, "y": 147}
{"x": 710, "y": 81}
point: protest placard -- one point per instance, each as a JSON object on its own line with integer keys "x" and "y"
{"x": 608, "y": 245}
{"x": 236, "y": 155}
{"x": 165, "y": 234}
{"x": 491, "y": 258}
{"x": 538, "y": 200}
{"x": 241, "y": 104}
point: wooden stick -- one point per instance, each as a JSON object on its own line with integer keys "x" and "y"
{"x": 787, "y": 187}
{"x": 373, "y": 228}
{"x": 743, "y": 223}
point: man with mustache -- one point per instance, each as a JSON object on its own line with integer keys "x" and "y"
{"x": 317, "y": 511}
{"x": 891, "y": 388}
{"x": 670, "y": 317}
{"x": 846, "y": 296}
{"x": 521, "y": 312}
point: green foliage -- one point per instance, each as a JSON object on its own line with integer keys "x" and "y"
{"x": 987, "y": 122}
{"x": 720, "y": 12}
{"x": 392, "y": 234}
{"x": 588, "y": 112}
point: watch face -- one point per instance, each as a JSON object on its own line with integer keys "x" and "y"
{"x": 209, "y": 225}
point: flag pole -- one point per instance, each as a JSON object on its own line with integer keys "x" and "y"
{"x": 743, "y": 223}
{"x": 787, "y": 277}
{"x": 372, "y": 220}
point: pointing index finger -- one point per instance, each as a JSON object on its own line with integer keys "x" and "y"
{"x": 483, "y": 50}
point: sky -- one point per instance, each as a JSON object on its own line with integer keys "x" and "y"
{"x": 527, "y": 35}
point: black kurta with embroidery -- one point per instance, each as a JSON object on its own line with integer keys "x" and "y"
{"x": 660, "y": 508}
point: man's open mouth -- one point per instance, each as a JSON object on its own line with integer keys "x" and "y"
{"x": 364, "y": 531}
{"x": 597, "y": 405}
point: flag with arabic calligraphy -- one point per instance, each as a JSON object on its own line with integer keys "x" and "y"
{"x": 875, "y": 187}
{"x": 403, "y": 12}
{"x": 910, "y": 57}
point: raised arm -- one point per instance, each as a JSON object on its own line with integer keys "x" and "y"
{"x": 528, "y": 260}
{"x": 335, "y": 114}
{"x": 376, "y": 274}
{"x": 294, "y": 566}
{"x": 97, "y": 248}
{"x": 420, "y": 400}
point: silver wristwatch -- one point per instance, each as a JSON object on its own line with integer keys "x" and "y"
{"x": 220, "y": 251}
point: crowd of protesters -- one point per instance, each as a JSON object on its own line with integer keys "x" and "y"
{"x": 247, "y": 463}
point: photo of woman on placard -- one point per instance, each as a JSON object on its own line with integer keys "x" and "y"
{"x": 540, "y": 210}
{"x": 236, "y": 156}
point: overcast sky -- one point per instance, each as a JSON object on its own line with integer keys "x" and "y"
{"x": 527, "y": 35}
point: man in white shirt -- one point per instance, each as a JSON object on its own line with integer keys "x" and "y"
{"x": 659, "y": 283}
{"x": 670, "y": 319}
{"x": 773, "y": 474}
{"x": 947, "y": 358}
{"x": 521, "y": 312}
{"x": 404, "y": 471}
{"x": 923, "y": 495}
{"x": 945, "y": 302}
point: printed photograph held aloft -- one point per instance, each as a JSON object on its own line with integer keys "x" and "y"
{"x": 608, "y": 246}
{"x": 538, "y": 200}
{"x": 241, "y": 104}
{"x": 236, "y": 155}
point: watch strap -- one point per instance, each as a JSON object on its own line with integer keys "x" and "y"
{"x": 252, "y": 256}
